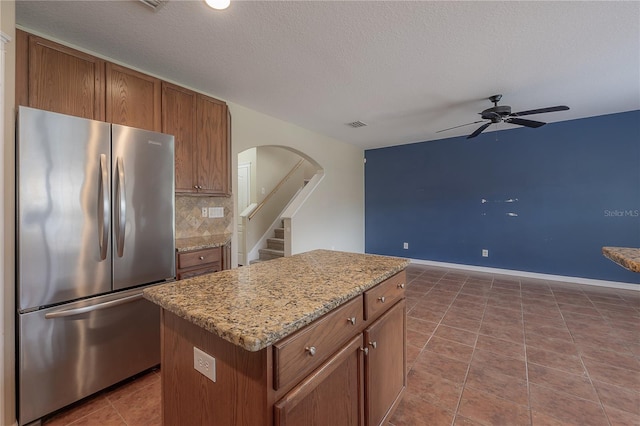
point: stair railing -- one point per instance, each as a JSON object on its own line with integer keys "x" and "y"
{"x": 266, "y": 215}
{"x": 274, "y": 190}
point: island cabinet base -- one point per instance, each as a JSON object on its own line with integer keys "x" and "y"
{"x": 239, "y": 395}
{"x": 347, "y": 368}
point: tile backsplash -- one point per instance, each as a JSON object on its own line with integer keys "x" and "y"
{"x": 189, "y": 220}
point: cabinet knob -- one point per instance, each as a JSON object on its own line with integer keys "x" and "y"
{"x": 311, "y": 350}
{"x": 374, "y": 344}
{"x": 352, "y": 320}
{"x": 401, "y": 285}
{"x": 201, "y": 257}
{"x": 381, "y": 299}
{"x": 365, "y": 350}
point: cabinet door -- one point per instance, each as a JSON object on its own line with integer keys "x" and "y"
{"x": 331, "y": 395}
{"x": 133, "y": 98}
{"x": 212, "y": 170}
{"x": 63, "y": 80}
{"x": 385, "y": 364}
{"x": 179, "y": 120}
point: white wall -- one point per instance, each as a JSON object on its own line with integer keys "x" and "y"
{"x": 272, "y": 164}
{"x": 333, "y": 217}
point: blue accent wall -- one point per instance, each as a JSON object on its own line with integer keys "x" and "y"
{"x": 540, "y": 200}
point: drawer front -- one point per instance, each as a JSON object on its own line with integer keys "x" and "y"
{"x": 384, "y": 295}
{"x": 300, "y": 353}
{"x": 197, "y": 258}
{"x": 210, "y": 269}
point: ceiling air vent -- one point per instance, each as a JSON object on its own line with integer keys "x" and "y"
{"x": 356, "y": 124}
{"x": 153, "y": 4}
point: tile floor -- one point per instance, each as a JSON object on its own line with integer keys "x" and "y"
{"x": 483, "y": 349}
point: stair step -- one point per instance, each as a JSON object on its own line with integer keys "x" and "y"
{"x": 275, "y": 243}
{"x": 268, "y": 254}
{"x": 279, "y": 232}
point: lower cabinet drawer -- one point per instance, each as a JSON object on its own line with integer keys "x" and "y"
{"x": 384, "y": 295}
{"x": 198, "y": 258}
{"x": 297, "y": 355}
{"x": 215, "y": 267}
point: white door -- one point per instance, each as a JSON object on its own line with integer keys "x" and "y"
{"x": 244, "y": 198}
{"x": 244, "y": 186}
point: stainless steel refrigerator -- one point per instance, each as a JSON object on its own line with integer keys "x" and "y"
{"x": 94, "y": 226}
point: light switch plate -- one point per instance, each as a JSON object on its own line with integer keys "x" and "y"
{"x": 204, "y": 363}
{"x": 216, "y": 212}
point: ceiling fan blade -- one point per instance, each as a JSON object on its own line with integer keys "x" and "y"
{"x": 539, "y": 111}
{"x": 523, "y": 122}
{"x": 479, "y": 130}
{"x": 462, "y": 125}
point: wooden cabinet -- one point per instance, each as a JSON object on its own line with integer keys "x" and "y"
{"x": 200, "y": 126}
{"x": 333, "y": 395}
{"x": 384, "y": 311}
{"x": 56, "y": 78}
{"x": 198, "y": 262}
{"x": 385, "y": 364}
{"x": 340, "y": 369}
{"x": 179, "y": 120}
{"x": 297, "y": 355}
{"x": 132, "y": 98}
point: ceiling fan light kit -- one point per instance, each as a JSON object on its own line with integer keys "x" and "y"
{"x": 502, "y": 113}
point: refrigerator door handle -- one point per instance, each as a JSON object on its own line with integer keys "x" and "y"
{"x": 121, "y": 209}
{"x": 103, "y": 208}
{"x": 91, "y": 308}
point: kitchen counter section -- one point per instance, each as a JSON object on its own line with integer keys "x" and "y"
{"x": 627, "y": 257}
{"x": 199, "y": 243}
{"x": 257, "y": 305}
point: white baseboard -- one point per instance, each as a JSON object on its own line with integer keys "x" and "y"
{"x": 536, "y": 275}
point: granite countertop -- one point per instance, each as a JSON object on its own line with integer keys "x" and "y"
{"x": 199, "y": 243}
{"x": 627, "y": 257}
{"x": 257, "y": 305}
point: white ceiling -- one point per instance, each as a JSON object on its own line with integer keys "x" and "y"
{"x": 406, "y": 68}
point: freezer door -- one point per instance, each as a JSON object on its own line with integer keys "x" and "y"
{"x": 70, "y": 351}
{"x": 63, "y": 196}
{"x": 143, "y": 207}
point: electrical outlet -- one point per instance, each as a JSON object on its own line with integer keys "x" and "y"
{"x": 204, "y": 363}
{"x": 204, "y": 212}
{"x": 405, "y": 246}
{"x": 485, "y": 253}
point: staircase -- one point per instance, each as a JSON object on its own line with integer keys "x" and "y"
{"x": 275, "y": 247}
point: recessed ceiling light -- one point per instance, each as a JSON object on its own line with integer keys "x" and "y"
{"x": 218, "y": 4}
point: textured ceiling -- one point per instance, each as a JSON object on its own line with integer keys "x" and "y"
{"x": 407, "y": 69}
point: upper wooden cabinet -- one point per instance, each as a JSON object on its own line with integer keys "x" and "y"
{"x": 200, "y": 126}
{"x": 56, "y": 78}
{"x": 132, "y": 98}
{"x": 179, "y": 120}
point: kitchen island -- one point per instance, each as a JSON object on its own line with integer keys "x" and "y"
{"x": 316, "y": 338}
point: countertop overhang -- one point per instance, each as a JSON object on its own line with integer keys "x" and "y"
{"x": 627, "y": 257}
{"x": 199, "y": 243}
{"x": 257, "y": 305}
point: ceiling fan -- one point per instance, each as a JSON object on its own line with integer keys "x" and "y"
{"x": 502, "y": 113}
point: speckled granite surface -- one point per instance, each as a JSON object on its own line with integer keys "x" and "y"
{"x": 198, "y": 243}
{"x": 627, "y": 257}
{"x": 255, "y": 306}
